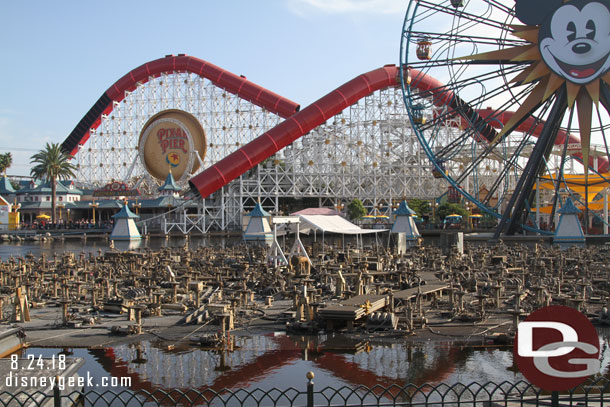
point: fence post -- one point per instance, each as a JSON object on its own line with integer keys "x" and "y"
{"x": 56, "y": 393}
{"x": 554, "y": 399}
{"x": 310, "y": 376}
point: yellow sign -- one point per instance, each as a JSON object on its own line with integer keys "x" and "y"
{"x": 13, "y": 220}
{"x": 172, "y": 139}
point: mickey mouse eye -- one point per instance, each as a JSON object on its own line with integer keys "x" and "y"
{"x": 591, "y": 29}
{"x": 571, "y": 28}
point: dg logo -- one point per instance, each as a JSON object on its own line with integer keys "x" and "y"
{"x": 557, "y": 348}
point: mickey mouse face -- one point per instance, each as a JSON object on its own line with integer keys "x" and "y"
{"x": 575, "y": 41}
{"x": 574, "y": 36}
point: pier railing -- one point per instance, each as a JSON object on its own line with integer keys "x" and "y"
{"x": 593, "y": 393}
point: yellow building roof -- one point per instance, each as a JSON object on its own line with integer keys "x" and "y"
{"x": 579, "y": 183}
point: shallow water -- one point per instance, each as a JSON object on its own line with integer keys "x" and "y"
{"x": 281, "y": 361}
{"x": 20, "y": 249}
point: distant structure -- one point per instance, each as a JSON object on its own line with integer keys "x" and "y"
{"x": 188, "y": 114}
{"x": 5, "y": 208}
{"x": 404, "y": 226}
{"x": 259, "y": 229}
{"x": 6, "y": 188}
{"x": 569, "y": 231}
{"x": 169, "y": 187}
{"x": 35, "y": 199}
{"x": 125, "y": 226}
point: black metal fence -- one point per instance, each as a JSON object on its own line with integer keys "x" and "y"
{"x": 593, "y": 393}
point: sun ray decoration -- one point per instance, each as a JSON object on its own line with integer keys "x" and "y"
{"x": 549, "y": 82}
{"x": 568, "y": 49}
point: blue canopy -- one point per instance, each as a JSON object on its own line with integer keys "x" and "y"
{"x": 125, "y": 213}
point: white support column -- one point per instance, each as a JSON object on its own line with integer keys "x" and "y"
{"x": 556, "y": 220}
{"x": 538, "y": 203}
{"x": 203, "y": 216}
{"x": 606, "y": 211}
{"x": 222, "y": 210}
{"x": 297, "y": 247}
{"x": 275, "y": 252}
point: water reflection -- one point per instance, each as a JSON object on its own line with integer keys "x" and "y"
{"x": 254, "y": 360}
{"x": 281, "y": 361}
{"x": 20, "y": 249}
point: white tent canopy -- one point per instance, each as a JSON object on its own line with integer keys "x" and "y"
{"x": 333, "y": 224}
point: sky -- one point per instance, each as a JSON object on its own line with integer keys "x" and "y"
{"x": 59, "y": 56}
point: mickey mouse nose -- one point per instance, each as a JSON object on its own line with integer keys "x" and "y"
{"x": 581, "y": 48}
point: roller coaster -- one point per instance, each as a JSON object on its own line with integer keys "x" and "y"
{"x": 359, "y": 145}
{"x": 355, "y": 142}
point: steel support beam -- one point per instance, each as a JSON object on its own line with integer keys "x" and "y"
{"x": 515, "y": 213}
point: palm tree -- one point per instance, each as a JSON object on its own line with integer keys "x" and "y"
{"x": 6, "y": 160}
{"x": 52, "y": 164}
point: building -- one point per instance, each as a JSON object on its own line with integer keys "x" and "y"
{"x": 259, "y": 229}
{"x": 124, "y": 225}
{"x": 35, "y": 199}
{"x": 6, "y": 189}
{"x": 404, "y": 226}
{"x": 5, "y": 209}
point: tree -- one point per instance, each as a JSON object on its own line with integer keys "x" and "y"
{"x": 448, "y": 208}
{"x": 52, "y": 164}
{"x": 355, "y": 209}
{"x": 6, "y": 160}
{"x": 421, "y": 207}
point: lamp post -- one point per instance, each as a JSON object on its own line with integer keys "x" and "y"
{"x": 433, "y": 206}
{"x": 60, "y": 206}
{"x": 93, "y": 205}
{"x": 137, "y": 206}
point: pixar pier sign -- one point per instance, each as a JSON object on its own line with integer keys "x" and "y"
{"x": 557, "y": 348}
{"x": 172, "y": 140}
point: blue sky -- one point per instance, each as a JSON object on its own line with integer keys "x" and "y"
{"x": 60, "y": 56}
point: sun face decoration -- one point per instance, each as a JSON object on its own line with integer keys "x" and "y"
{"x": 569, "y": 51}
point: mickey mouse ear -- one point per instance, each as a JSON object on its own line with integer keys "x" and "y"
{"x": 533, "y": 12}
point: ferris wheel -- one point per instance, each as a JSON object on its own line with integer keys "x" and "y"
{"x": 509, "y": 99}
